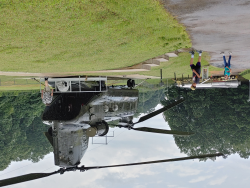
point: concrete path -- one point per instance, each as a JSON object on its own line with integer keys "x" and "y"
{"x": 66, "y": 73}
{"x": 134, "y": 76}
{"x": 217, "y": 25}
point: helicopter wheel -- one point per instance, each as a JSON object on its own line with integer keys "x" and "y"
{"x": 102, "y": 128}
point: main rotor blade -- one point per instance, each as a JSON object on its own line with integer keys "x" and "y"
{"x": 158, "y": 161}
{"x": 161, "y": 131}
{"x": 24, "y": 178}
{"x": 143, "y": 118}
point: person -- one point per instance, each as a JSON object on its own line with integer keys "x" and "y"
{"x": 227, "y": 66}
{"x": 196, "y": 69}
{"x": 47, "y": 93}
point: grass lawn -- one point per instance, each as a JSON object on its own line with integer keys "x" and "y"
{"x": 16, "y": 80}
{"x": 17, "y": 83}
{"x": 70, "y": 35}
{"x": 20, "y": 88}
{"x": 246, "y": 74}
{"x": 178, "y": 65}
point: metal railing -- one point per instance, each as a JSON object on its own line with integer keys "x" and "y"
{"x": 76, "y": 81}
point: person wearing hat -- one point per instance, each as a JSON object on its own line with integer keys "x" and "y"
{"x": 196, "y": 69}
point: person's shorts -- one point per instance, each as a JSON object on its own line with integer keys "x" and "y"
{"x": 198, "y": 64}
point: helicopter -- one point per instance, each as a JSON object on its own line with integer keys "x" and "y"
{"x": 77, "y": 116}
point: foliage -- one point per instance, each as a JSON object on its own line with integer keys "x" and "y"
{"x": 85, "y": 35}
{"x": 218, "y": 117}
{"x": 149, "y": 99}
{"x": 21, "y": 128}
{"x": 246, "y": 74}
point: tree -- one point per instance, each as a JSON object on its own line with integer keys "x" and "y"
{"x": 218, "y": 117}
{"x": 149, "y": 98}
{"x": 21, "y": 128}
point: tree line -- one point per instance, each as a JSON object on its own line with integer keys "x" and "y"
{"x": 218, "y": 117}
{"x": 21, "y": 128}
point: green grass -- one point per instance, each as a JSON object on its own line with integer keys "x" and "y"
{"x": 17, "y": 83}
{"x": 246, "y": 74}
{"x": 16, "y": 80}
{"x": 178, "y": 65}
{"x": 15, "y": 93}
{"x": 84, "y": 35}
{"x": 20, "y": 88}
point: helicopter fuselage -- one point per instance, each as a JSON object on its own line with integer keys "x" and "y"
{"x": 70, "y": 136}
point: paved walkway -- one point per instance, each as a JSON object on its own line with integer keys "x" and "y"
{"x": 134, "y": 76}
{"x": 217, "y": 25}
{"x": 66, "y": 73}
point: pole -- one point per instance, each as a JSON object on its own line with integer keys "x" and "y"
{"x": 38, "y": 81}
{"x": 249, "y": 92}
{"x": 205, "y": 81}
{"x": 167, "y": 86}
{"x": 79, "y": 83}
{"x": 161, "y": 75}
